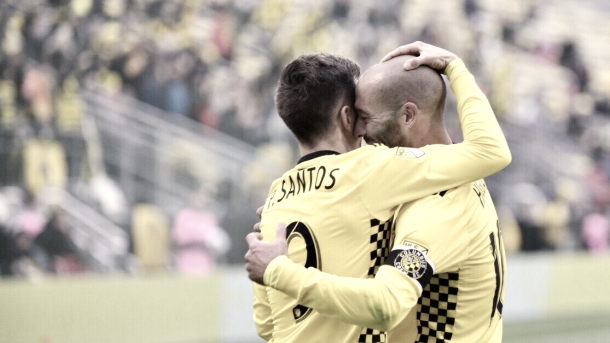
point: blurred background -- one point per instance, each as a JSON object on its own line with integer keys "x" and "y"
{"x": 138, "y": 137}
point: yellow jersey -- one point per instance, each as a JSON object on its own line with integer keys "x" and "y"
{"x": 453, "y": 237}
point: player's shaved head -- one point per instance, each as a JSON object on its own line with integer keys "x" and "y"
{"x": 389, "y": 84}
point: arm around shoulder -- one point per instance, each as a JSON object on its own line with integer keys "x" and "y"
{"x": 380, "y": 303}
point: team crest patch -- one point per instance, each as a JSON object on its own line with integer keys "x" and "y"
{"x": 412, "y": 262}
{"x": 409, "y": 152}
{"x": 412, "y": 259}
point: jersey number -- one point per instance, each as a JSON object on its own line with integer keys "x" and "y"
{"x": 301, "y": 230}
{"x": 499, "y": 270}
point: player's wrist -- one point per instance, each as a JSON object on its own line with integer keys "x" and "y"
{"x": 454, "y": 67}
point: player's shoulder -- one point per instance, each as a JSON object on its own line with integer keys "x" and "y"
{"x": 367, "y": 151}
{"x": 383, "y": 151}
{"x": 430, "y": 203}
{"x": 450, "y": 202}
{"x": 373, "y": 147}
{"x": 470, "y": 189}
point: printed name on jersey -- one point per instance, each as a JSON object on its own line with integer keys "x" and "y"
{"x": 303, "y": 181}
{"x": 412, "y": 259}
{"x": 409, "y": 152}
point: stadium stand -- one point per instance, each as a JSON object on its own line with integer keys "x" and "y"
{"x": 148, "y": 99}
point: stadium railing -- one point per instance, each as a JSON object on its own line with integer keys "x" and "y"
{"x": 103, "y": 244}
{"x": 156, "y": 155}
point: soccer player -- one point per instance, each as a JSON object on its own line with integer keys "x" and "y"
{"x": 339, "y": 203}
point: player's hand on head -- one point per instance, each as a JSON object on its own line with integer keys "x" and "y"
{"x": 425, "y": 54}
{"x": 261, "y": 253}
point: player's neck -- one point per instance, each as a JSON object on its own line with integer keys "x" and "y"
{"x": 340, "y": 146}
{"x": 442, "y": 138}
{"x": 436, "y": 137}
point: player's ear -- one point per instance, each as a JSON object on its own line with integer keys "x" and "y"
{"x": 348, "y": 118}
{"x": 410, "y": 112}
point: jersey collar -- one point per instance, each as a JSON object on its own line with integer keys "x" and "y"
{"x": 316, "y": 155}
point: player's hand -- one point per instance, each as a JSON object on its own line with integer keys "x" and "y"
{"x": 425, "y": 54}
{"x": 257, "y": 226}
{"x": 260, "y": 253}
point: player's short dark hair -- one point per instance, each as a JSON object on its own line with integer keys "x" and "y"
{"x": 311, "y": 88}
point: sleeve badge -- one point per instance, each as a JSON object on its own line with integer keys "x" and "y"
{"x": 413, "y": 261}
{"x": 410, "y": 153}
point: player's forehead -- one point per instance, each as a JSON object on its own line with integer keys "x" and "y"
{"x": 364, "y": 100}
{"x": 367, "y": 102}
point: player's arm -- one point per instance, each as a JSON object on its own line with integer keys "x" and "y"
{"x": 380, "y": 303}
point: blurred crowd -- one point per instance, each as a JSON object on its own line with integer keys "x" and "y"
{"x": 35, "y": 239}
{"x": 217, "y": 62}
